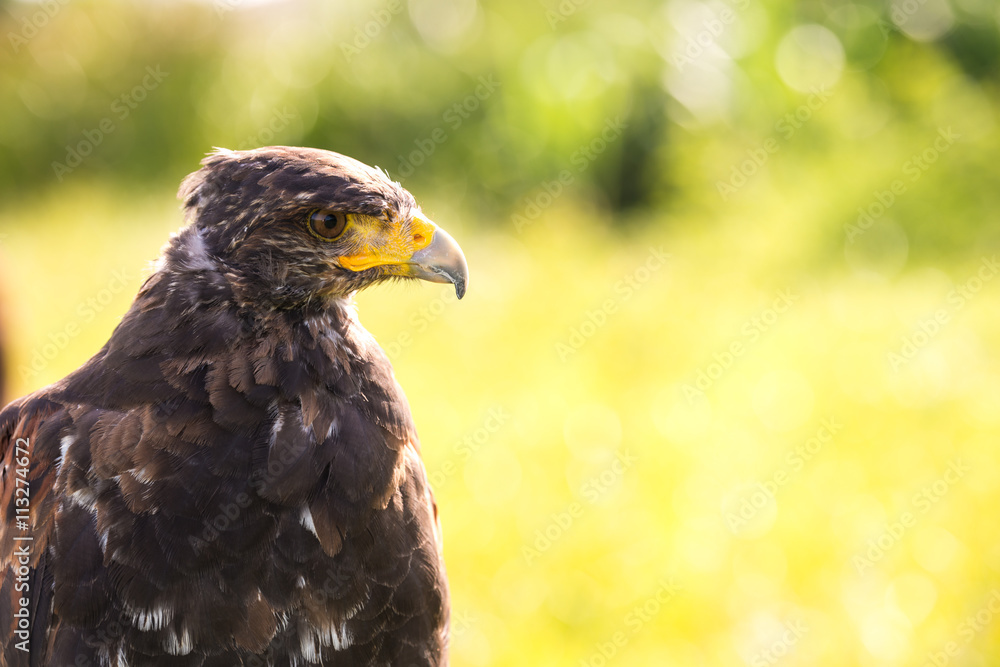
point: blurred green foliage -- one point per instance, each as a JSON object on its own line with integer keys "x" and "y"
{"x": 629, "y": 455}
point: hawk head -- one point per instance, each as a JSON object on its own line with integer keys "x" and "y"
{"x": 292, "y": 227}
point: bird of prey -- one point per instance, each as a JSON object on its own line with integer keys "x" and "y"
{"x": 235, "y": 479}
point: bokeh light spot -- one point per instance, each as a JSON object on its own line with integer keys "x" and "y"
{"x": 749, "y": 511}
{"x": 783, "y": 400}
{"x": 914, "y": 595}
{"x": 444, "y": 26}
{"x": 810, "y": 57}
{"x": 493, "y": 476}
{"x": 922, "y": 20}
{"x": 591, "y": 427}
{"x": 935, "y": 549}
{"x": 878, "y": 251}
{"x": 679, "y": 417}
{"x": 886, "y": 634}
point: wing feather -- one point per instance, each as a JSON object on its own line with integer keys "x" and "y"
{"x": 29, "y": 456}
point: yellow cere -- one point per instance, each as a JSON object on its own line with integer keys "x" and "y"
{"x": 379, "y": 243}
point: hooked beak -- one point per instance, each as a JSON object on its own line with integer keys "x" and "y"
{"x": 441, "y": 261}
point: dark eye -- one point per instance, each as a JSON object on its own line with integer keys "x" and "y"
{"x": 327, "y": 225}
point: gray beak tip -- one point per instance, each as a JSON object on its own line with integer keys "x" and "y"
{"x": 442, "y": 262}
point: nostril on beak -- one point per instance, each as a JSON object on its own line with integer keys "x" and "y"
{"x": 418, "y": 238}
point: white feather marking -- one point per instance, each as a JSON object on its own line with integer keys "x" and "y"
{"x": 198, "y": 258}
{"x": 84, "y": 498}
{"x": 64, "y": 444}
{"x": 278, "y": 423}
{"x": 142, "y": 474}
{"x": 338, "y": 639}
{"x": 310, "y": 651}
{"x": 306, "y": 519}
{"x": 179, "y": 646}
{"x": 156, "y": 618}
{"x": 313, "y": 640}
{"x": 103, "y": 657}
{"x": 330, "y": 431}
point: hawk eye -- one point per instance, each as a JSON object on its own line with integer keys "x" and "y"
{"x": 326, "y": 224}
